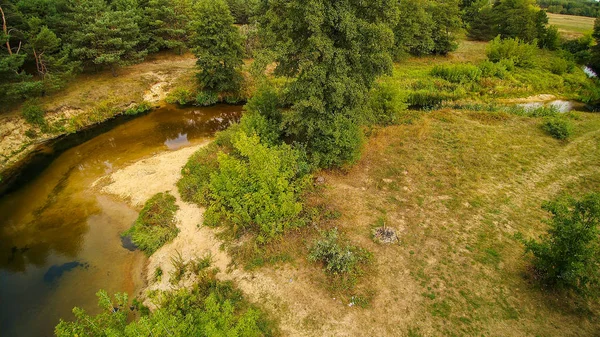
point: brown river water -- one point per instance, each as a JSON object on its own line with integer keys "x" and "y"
{"x": 60, "y": 238}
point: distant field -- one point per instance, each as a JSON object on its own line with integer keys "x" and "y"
{"x": 571, "y": 26}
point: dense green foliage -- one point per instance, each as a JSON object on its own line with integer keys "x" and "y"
{"x": 558, "y": 127}
{"x": 572, "y": 7}
{"x": 567, "y": 256}
{"x": 156, "y": 224}
{"x": 519, "y": 52}
{"x": 218, "y": 46}
{"x": 210, "y": 308}
{"x": 256, "y": 188}
{"x": 520, "y": 19}
{"x": 426, "y": 27}
{"x": 334, "y": 52}
{"x": 45, "y": 42}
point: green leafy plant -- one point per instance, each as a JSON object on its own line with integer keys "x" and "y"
{"x": 33, "y": 113}
{"x": 210, "y": 308}
{"x": 156, "y": 224}
{"x": 139, "y": 108}
{"x": 457, "y": 73}
{"x": 336, "y": 256}
{"x": 567, "y": 255}
{"x": 386, "y": 103}
{"x": 522, "y": 54}
{"x": 181, "y": 96}
{"x": 206, "y": 98}
{"x": 558, "y": 127}
{"x": 256, "y": 188}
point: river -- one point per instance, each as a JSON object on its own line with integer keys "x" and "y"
{"x": 60, "y": 239}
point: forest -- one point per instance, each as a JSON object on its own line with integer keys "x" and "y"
{"x": 328, "y": 87}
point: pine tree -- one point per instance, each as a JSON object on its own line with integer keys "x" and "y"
{"x": 335, "y": 50}
{"x": 165, "y": 23}
{"x": 218, "y": 46}
{"x": 105, "y": 37}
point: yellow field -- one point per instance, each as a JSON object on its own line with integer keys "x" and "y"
{"x": 571, "y": 26}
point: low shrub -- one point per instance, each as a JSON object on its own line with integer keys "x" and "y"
{"x": 156, "y": 224}
{"x": 427, "y": 99}
{"x": 386, "y": 103}
{"x": 567, "y": 255}
{"x": 139, "y": 108}
{"x": 337, "y": 257}
{"x": 522, "y": 54}
{"x": 457, "y": 73}
{"x": 210, "y": 308}
{"x": 491, "y": 69}
{"x": 180, "y": 96}
{"x": 558, "y": 127}
{"x": 207, "y": 98}
{"x": 33, "y": 113}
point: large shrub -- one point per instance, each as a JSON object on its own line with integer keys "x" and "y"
{"x": 567, "y": 255}
{"x": 256, "y": 187}
{"x": 522, "y": 54}
{"x": 386, "y": 103}
{"x": 156, "y": 224}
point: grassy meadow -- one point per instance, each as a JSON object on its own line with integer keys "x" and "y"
{"x": 571, "y": 26}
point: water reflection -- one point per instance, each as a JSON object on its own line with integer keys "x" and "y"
{"x": 558, "y": 105}
{"x": 60, "y": 240}
{"x": 175, "y": 143}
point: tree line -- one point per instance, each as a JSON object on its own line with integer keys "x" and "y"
{"x": 571, "y": 7}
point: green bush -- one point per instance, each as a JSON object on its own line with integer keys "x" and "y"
{"x": 386, "y": 103}
{"x": 139, "y": 108}
{"x": 195, "y": 175}
{"x": 180, "y": 96}
{"x": 336, "y": 141}
{"x": 210, "y": 308}
{"x": 491, "y": 69}
{"x": 427, "y": 99}
{"x": 522, "y": 54}
{"x": 156, "y": 224}
{"x": 207, "y": 98}
{"x": 457, "y": 73}
{"x": 256, "y": 188}
{"x": 558, "y": 65}
{"x": 567, "y": 255}
{"x": 558, "y": 127}
{"x": 33, "y": 113}
{"x": 337, "y": 257}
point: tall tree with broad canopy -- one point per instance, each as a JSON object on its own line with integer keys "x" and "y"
{"x": 335, "y": 50}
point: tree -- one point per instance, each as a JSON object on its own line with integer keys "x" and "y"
{"x": 165, "y": 23}
{"x": 101, "y": 36}
{"x": 446, "y": 18}
{"x": 413, "y": 33}
{"x": 218, "y": 47}
{"x": 334, "y": 50}
{"x": 242, "y": 10}
{"x": 567, "y": 256}
{"x": 595, "y": 57}
{"x": 15, "y": 83}
{"x": 481, "y": 25}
